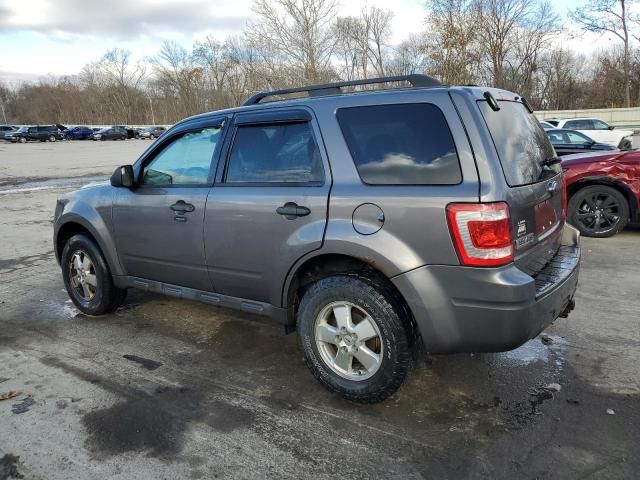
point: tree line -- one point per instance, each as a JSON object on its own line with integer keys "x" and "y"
{"x": 512, "y": 44}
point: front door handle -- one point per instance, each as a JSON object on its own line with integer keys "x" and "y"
{"x": 292, "y": 210}
{"x": 182, "y": 207}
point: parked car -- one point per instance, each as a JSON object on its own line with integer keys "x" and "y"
{"x": 77, "y": 133}
{"x": 598, "y": 130}
{"x": 131, "y": 132}
{"x": 42, "y": 133}
{"x": 566, "y": 142}
{"x": 604, "y": 191}
{"x": 546, "y": 125}
{"x": 151, "y": 132}
{"x": 4, "y": 129}
{"x": 109, "y": 134}
{"x": 356, "y": 219}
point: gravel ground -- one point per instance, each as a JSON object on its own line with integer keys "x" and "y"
{"x": 230, "y": 397}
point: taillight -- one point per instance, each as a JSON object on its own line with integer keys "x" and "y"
{"x": 481, "y": 233}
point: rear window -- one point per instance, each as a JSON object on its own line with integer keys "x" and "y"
{"x": 401, "y": 144}
{"x": 521, "y": 143}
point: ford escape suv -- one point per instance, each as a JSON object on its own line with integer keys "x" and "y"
{"x": 372, "y": 222}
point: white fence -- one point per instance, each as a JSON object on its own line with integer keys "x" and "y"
{"x": 620, "y": 117}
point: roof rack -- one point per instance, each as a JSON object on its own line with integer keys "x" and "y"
{"x": 336, "y": 88}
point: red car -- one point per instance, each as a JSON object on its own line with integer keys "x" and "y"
{"x": 603, "y": 191}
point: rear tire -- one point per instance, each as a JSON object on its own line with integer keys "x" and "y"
{"x": 354, "y": 337}
{"x": 598, "y": 211}
{"x": 87, "y": 277}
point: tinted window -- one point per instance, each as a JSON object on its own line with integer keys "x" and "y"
{"x": 600, "y": 125}
{"x": 185, "y": 161}
{"x": 275, "y": 153}
{"x": 579, "y": 124}
{"x": 402, "y": 144}
{"x": 521, "y": 143}
{"x": 577, "y": 137}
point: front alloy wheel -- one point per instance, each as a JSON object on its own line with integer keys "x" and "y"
{"x": 87, "y": 277}
{"x": 82, "y": 274}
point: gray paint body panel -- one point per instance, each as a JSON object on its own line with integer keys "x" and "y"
{"x": 237, "y": 252}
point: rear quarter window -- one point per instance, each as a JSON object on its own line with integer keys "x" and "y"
{"x": 521, "y": 143}
{"x": 401, "y": 144}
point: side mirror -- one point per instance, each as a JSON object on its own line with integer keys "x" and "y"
{"x": 123, "y": 177}
{"x": 611, "y": 127}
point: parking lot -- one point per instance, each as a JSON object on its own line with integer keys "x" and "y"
{"x": 210, "y": 393}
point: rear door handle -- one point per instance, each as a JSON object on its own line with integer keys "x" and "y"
{"x": 291, "y": 210}
{"x": 182, "y": 207}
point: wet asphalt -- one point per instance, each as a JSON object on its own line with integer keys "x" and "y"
{"x": 166, "y": 388}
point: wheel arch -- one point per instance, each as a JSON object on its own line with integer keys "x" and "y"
{"x": 324, "y": 265}
{"x": 74, "y": 225}
{"x": 608, "y": 182}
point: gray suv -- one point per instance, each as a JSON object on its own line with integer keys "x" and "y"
{"x": 371, "y": 222}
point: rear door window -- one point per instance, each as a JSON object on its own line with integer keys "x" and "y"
{"x": 275, "y": 153}
{"x": 521, "y": 143}
{"x": 401, "y": 144}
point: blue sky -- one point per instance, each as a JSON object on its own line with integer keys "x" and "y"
{"x": 59, "y": 37}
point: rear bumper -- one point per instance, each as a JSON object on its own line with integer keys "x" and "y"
{"x": 465, "y": 309}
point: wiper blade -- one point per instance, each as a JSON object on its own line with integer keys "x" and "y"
{"x": 547, "y": 162}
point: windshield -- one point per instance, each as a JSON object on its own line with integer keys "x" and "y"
{"x": 103, "y": 130}
{"x": 521, "y": 143}
{"x": 23, "y": 129}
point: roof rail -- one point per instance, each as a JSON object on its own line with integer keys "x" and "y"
{"x": 415, "y": 80}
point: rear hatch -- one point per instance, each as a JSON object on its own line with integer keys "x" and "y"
{"x": 535, "y": 192}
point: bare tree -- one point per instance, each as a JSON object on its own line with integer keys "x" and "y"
{"x": 608, "y": 16}
{"x": 410, "y": 56}
{"x": 298, "y": 30}
{"x": 502, "y": 22}
{"x": 452, "y": 42}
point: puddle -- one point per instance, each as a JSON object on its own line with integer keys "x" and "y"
{"x": 24, "y": 185}
{"x": 536, "y": 351}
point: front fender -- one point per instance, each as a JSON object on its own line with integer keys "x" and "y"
{"x": 96, "y": 219}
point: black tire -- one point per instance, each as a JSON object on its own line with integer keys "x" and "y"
{"x": 107, "y": 296}
{"x": 52, "y": 138}
{"x": 394, "y": 335}
{"x": 598, "y": 211}
{"x": 625, "y": 144}
{"x": 22, "y": 140}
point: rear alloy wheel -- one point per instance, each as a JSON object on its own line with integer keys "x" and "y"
{"x": 354, "y": 337}
{"x": 598, "y": 211}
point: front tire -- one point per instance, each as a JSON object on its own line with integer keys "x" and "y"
{"x": 87, "y": 277}
{"x": 598, "y": 211}
{"x": 52, "y": 138}
{"x": 354, "y": 337}
{"x": 22, "y": 140}
{"x": 625, "y": 144}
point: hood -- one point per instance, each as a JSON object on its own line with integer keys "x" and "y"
{"x": 624, "y": 131}
{"x": 601, "y": 156}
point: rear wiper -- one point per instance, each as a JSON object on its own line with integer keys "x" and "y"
{"x": 547, "y": 162}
